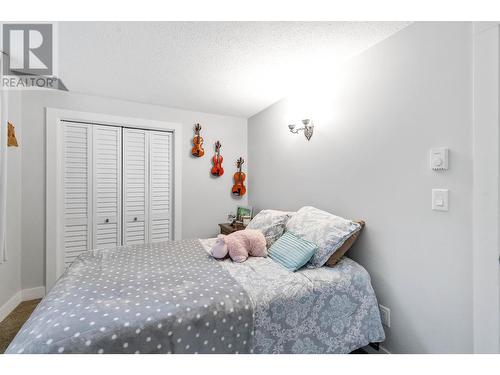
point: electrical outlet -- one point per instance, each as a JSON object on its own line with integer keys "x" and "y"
{"x": 385, "y": 315}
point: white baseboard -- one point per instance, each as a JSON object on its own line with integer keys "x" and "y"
{"x": 10, "y": 305}
{"x": 381, "y": 350}
{"x": 16, "y": 299}
{"x": 33, "y": 293}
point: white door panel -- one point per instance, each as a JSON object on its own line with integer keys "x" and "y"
{"x": 135, "y": 186}
{"x": 77, "y": 190}
{"x": 160, "y": 186}
{"x": 107, "y": 185}
{"x": 147, "y": 165}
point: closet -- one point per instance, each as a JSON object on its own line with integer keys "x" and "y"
{"x": 117, "y": 187}
{"x": 146, "y": 186}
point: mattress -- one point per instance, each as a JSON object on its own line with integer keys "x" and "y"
{"x": 172, "y": 297}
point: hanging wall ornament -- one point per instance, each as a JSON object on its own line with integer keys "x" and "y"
{"x": 239, "y": 188}
{"x": 11, "y": 136}
{"x": 217, "y": 169}
{"x": 197, "y": 149}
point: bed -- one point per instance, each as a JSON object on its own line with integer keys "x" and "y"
{"x": 172, "y": 297}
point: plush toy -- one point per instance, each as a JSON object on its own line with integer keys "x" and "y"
{"x": 239, "y": 245}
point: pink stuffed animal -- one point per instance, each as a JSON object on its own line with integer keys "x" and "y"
{"x": 240, "y": 245}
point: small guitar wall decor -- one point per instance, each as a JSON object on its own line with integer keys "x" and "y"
{"x": 239, "y": 188}
{"x": 217, "y": 169}
{"x": 11, "y": 136}
{"x": 197, "y": 149}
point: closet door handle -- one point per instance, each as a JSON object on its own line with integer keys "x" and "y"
{"x": 106, "y": 221}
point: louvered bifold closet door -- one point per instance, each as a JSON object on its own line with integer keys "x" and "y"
{"x": 160, "y": 166}
{"x": 77, "y": 190}
{"x": 107, "y": 185}
{"x": 135, "y": 186}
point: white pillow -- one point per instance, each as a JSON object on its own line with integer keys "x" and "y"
{"x": 271, "y": 223}
{"x": 325, "y": 230}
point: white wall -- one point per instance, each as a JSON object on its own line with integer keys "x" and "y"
{"x": 486, "y": 225}
{"x": 369, "y": 158}
{"x": 10, "y": 271}
{"x": 206, "y": 200}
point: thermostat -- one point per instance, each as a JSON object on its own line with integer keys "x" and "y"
{"x": 439, "y": 158}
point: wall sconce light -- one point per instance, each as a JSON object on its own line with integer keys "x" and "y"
{"x": 308, "y": 128}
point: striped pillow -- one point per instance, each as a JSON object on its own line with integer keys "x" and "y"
{"x": 291, "y": 251}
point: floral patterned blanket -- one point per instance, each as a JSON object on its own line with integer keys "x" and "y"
{"x": 323, "y": 310}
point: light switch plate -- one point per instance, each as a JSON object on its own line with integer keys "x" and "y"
{"x": 439, "y": 158}
{"x": 440, "y": 199}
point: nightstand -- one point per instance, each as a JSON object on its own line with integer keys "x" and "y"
{"x": 227, "y": 228}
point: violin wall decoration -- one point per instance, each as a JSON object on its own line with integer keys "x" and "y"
{"x": 11, "y": 136}
{"x": 197, "y": 149}
{"x": 217, "y": 169}
{"x": 239, "y": 188}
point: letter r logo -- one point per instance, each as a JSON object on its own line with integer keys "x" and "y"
{"x": 29, "y": 47}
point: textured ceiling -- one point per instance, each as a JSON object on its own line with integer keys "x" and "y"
{"x": 232, "y": 68}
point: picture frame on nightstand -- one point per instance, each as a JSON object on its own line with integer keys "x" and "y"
{"x": 241, "y": 212}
